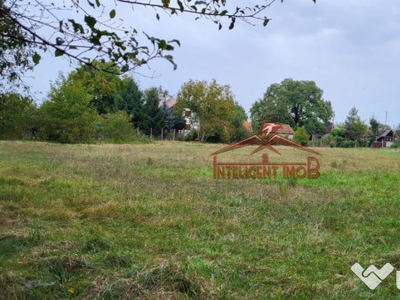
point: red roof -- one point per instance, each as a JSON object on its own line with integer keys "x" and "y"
{"x": 247, "y": 125}
{"x": 170, "y": 102}
{"x": 286, "y": 129}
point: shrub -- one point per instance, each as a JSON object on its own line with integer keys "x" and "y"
{"x": 117, "y": 128}
{"x": 301, "y": 136}
{"x": 348, "y": 144}
{"x": 395, "y": 145}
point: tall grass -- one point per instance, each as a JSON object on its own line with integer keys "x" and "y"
{"x": 149, "y": 221}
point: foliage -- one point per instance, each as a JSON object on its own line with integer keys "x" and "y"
{"x": 117, "y": 127}
{"x": 395, "y": 145}
{"x": 355, "y": 128}
{"x": 239, "y": 117}
{"x": 396, "y": 131}
{"x": 374, "y": 130}
{"x": 16, "y": 114}
{"x": 296, "y": 103}
{"x": 68, "y": 115}
{"x": 348, "y": 144}
{"x": 131, "y": 100}
{"x": 301, "y": 136}
{"x": 338, "y": 134}
{"x": 169, "y": 117}
{"x": 212, "y": 106}
{"x": 153, "y": 117}
{"x": 102, "y": 83}
{"x": 179, "y": 121}
{"x": 16, "y": 51}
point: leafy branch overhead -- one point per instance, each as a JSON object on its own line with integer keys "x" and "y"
{"x": 84, "y": 31}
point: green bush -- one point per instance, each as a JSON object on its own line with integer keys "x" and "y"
{"x": 348, "y": 144}
{"x": 191, "y": 136}
{"x": 117, "y": 128}
{"x": 67, "y": 116}
{"x": 395, "y": 145}
{"x": 301, "y": 136}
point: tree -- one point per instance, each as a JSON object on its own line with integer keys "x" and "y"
{"x": 212, "y": 106}
{"x": 15, "y": 51}
{"x": 397, "y": 132}
{"x": 301, "y": 136}
{"x": 131, "y": 100}
{"x": 355, "y": 128}
{"x": 153, "y": 117}
{"x": 68, "y": 116}
{"x": 239, "y": 117}
{"x": 15, "y": 116}
{"x": 169, "y": 117}
{"x": 296, "y": 103}
{"x": 83, "y": 31}
{"x": 374, "y": 130}
{"x": 103, "y": 86}
{"x": 338, "y": 135}
{"x": 117, "y": 127}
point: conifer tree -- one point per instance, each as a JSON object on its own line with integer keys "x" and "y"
{"x": 153, "y": 117}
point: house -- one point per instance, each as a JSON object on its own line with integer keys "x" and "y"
{"x": 317, "y": 135}
{"x": 385, "y": 139}
{"x": 286, "y": 130}
{"x": 190, "y": 117}
{"x": 191, "y": 120}
{"x": 169, "y": 101}
{"x": 247, "y": 125}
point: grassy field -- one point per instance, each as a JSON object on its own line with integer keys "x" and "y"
{"x": 150, "y": 222}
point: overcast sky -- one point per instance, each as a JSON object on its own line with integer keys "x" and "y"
{"x": 351, "y": 49}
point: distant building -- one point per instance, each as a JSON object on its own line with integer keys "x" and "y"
{"x": 190, "y": 117}
{"x": 247, "y": 125}
{"x": 320, "y": 134}
{"x": 385, "y": 139}
{"x": 169, "y": 101}
{"x": 286, "y": 130}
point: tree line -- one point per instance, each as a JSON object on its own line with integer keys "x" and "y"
{"x": 90, "y": 104}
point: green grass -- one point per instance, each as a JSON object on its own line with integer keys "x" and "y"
{"x": 149, "y": 221}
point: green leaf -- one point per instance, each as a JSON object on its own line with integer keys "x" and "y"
{"x": 77, "y": 26}
{"x": 175, "y": 41}
{"x": 36, "y": 58}
{"x": 171, "y": 60}
{"x": 90, "y": 21}
{"x": 232, "y": 24}
{"x": 266, "y": 20}
{"x": 90, "y": 3}
{"x": 166, "y": 3}
{"x": 59, "y": 52}
{"x": 162, "y": 44}
{"x": 112, "y": 14}
{"x": 180, "y": 5}
{"x": 72, "y": 47}
{"x": 98, "y": 3}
